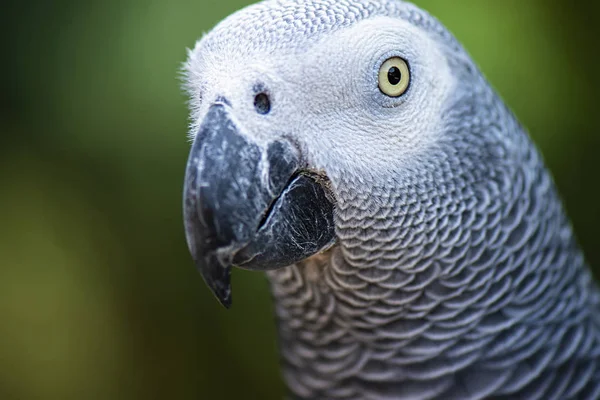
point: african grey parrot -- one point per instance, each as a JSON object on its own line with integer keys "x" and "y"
{"x": 415, "y": 243}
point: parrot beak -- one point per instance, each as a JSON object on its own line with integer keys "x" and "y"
{"x": 248, "y": 205}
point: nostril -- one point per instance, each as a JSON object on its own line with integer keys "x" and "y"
{"x": 262, "y": 103}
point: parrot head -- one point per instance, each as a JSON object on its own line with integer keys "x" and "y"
{"x": 303, "y": 113}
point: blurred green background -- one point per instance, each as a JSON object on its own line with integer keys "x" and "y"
{"x": 98, "y": 295}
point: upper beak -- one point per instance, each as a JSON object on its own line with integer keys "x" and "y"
{"x": 248, "y": 205}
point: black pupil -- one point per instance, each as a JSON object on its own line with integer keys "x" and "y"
{"x": 262, "y": 103}
{"x": 394, "y": 76}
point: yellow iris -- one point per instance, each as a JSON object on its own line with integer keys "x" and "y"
{"x": 394, "y": 77}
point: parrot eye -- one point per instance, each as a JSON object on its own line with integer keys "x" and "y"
{"x": 394, "y": 77}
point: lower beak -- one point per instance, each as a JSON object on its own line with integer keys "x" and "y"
{"x": 248, "y": 205}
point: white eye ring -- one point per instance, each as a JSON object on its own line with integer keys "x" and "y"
{"x": 394, "y": 77}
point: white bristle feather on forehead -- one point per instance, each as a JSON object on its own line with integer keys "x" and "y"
{"x": 294, "y": 24}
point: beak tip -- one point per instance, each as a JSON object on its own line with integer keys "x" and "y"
{"x": 217, "y": 278}
{"x": 222, "y": 291}
{"x": 226, "y": 303}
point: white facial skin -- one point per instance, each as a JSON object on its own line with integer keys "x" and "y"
{"x": 325, "y": 96}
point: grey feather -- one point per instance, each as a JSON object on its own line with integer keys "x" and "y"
{"x": 456, "y": 275}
